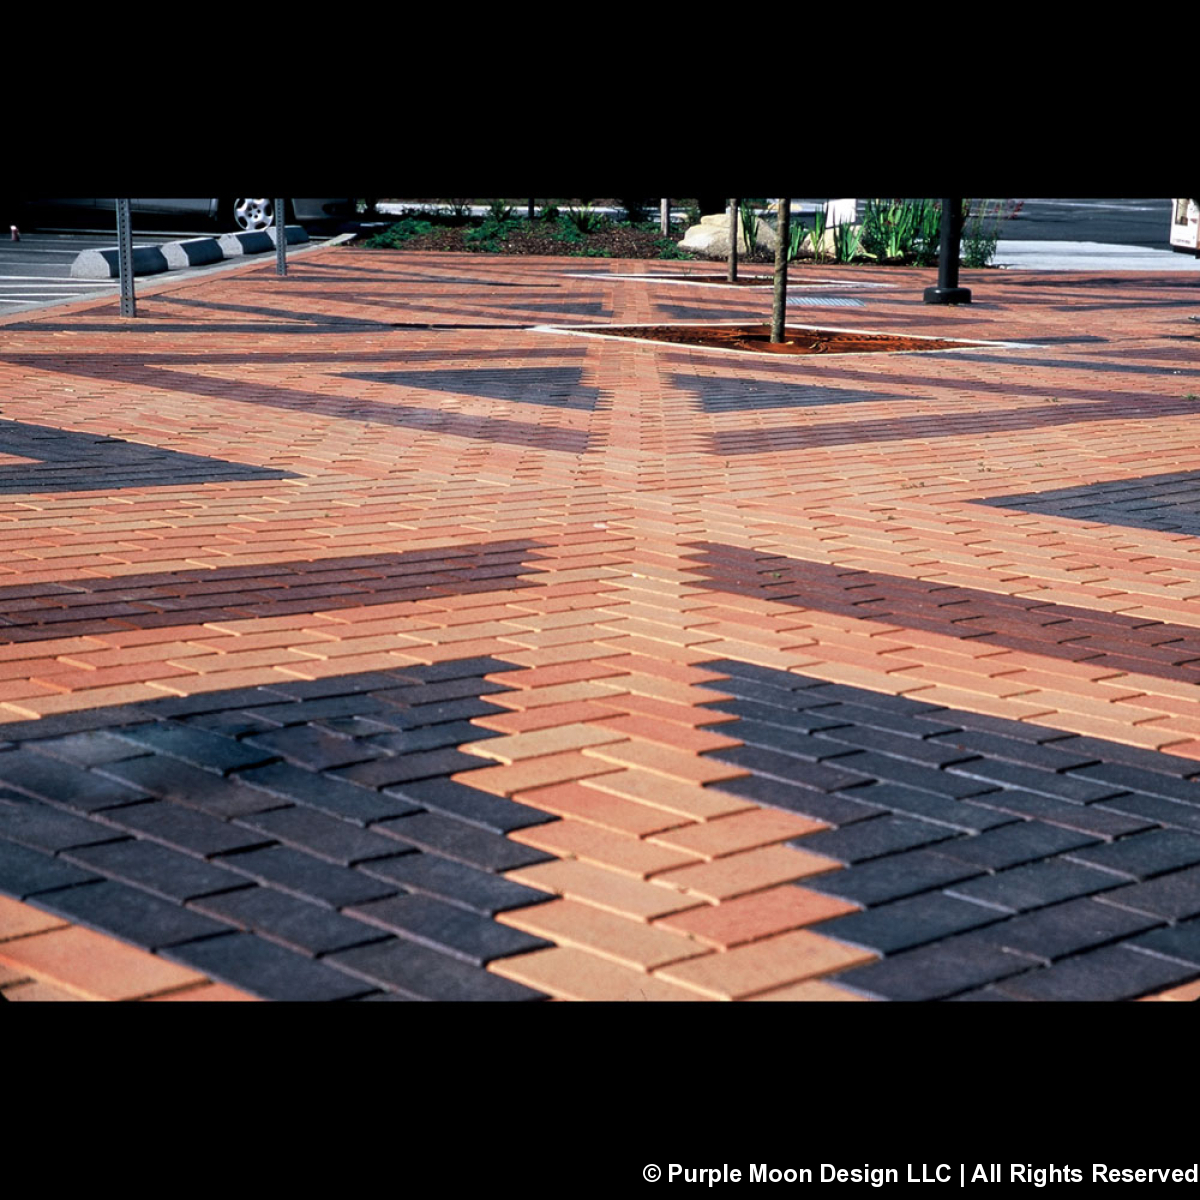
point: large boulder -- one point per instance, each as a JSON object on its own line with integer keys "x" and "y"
{"x": 711, "y": 237}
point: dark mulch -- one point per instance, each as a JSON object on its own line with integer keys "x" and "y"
{"x": 609, "y": 241}
{"x": 758, "y": 337}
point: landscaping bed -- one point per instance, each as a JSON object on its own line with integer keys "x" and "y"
{"x": 797, "y": 339}
{"x": 585, "y": 236}
{"x": 891, "y": 233}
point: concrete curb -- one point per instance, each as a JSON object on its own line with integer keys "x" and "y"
{"x": 175, "y": 256}
{"x": 195, "y": 252}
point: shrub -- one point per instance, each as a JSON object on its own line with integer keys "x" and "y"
{"x": 585, "y": 219}
{"x": 565, "y": 230}
{"x": 399, "y": 233}
{"x": 981, "y": 232}
{"x": 981, "y": 229}
{"x": 929, "y": 234}
{"x": 485, "y": 236}
{"x": 846, "y": 241}
{"x": 901, "y": 231}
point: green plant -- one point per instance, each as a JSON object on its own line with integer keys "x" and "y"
{"x": 749, "y": 226}
{"x": 486, "y": 236}
{"x": 565, "y": 230}
{"x": 929, "y": 236}
{"x": 796, "y": 232}
{"x": 500, "y": 212}
{"x": 693, "y": 214}
{"x": 981, "y": 231}
{"x": 902, "y": 231}
{"x": 460, "y": 210}
{"x": 670, "y": 249}
{"x": 900, "y": 225}
{"x": 585, "y": 219}
{"x": 549, "y": 213}
{"x": 397, "y": 234}
{"x": 846, "y": 241}
{"x": 818, "y": 233}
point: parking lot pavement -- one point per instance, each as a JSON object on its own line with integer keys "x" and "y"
{"x": 37, "y": 269}
{"x": 372, "y": 635}
{"x": 35, "y": 272}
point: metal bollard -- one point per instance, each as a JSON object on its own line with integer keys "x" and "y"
{"x": 947, "y": 290}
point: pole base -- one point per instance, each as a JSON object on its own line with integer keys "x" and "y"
{"x": 955, "y": 295}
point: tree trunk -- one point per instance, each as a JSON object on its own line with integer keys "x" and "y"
{"x": 733, "y": 240}
{"x": 779, "y": 303}
{"x": 531, "y": 210}
{"x": 665, "y": 223}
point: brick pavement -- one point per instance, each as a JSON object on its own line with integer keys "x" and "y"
{"x": 362, "y": 637}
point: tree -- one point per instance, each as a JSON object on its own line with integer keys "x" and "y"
{"x": 733, "y": 237}
{"x": 779, "y": 302}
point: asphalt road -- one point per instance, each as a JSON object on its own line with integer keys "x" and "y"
{"x": 1111, "y": 222}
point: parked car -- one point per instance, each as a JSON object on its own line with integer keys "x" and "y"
{"x": 230, "y": 214}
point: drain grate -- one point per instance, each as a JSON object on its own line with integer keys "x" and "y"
{"x": 825, "y": 302}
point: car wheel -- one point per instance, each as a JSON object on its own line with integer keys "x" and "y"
{"x": 252, "y": 215}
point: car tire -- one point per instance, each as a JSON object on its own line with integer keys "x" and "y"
{"x": 250, "y": 216}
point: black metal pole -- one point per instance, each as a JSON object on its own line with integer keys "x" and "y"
{"x": 125, "y": 259}
{"x": 947, "y": 290}
{"x": 280, "y": 238}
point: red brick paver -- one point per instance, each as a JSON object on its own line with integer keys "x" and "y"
{"x": 658, "y": 510}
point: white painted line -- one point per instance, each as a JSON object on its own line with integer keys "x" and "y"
{"x": 50, "y": 281}
{"x": 1099, "y": 204}
{"x": 767, "y": 281}
{"x": 959, "y": 342}
{"x": 72, "y": 253}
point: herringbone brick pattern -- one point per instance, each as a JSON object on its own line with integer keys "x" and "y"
{"x": 364, "y": 637}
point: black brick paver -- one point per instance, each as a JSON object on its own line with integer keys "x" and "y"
{"x": 265, "y": 969}
{"x": 290, "y": 920}
{"x": 157, "y": 869}
{"x": 992, "y": 859}
{"x": 448, "y": 928}
{"x": 415, "y": 970}
{"x": 137, "y": 916}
